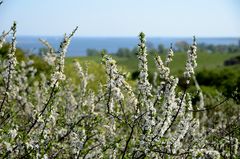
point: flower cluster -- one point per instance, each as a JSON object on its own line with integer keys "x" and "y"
{"x": 44, "y": 116}
{"x": 169, "y": 56}
{"x": 58, "y": 74}
{"x": 143, "y": 84}
{"x": 204, "y": 153}
{"x": 191, "y": 63}
{"x": 50, "y": 55}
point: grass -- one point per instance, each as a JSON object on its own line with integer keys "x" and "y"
{"x": 205, "y": 61}
{"x": 130, "y": 64}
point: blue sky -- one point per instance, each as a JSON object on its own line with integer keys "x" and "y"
{"x": 174, "y": 18}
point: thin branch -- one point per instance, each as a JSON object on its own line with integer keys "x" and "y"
{"x": 45, "y": 106}
{"x": 210, "y": 108}
{"x": 127, "y": 142}
{"x": 170, "y": 153}
{"x": 176, "y": 115}
{"x": 9, "y": 68}
{"x": 71, "y": 129}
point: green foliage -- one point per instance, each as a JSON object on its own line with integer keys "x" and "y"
{"x": 205, "y": 61}
{"x": 98, "y": 75}
{"x": 38, "y": 63}
{"x": 226, "y": 80}
{"x": 219, "y": 48}
{"x": 124, "y": 52}
{"x": 20, "y": 54}
{"x": 161, "y": 49}
{"x": 92, "y": 52}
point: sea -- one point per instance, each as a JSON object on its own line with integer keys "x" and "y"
{"x": 79, "y": 45}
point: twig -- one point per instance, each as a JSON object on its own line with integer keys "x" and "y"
{"x": 127, "y": 142}
{"x": 213, "y": 107}
{"x": 176, "y": 115}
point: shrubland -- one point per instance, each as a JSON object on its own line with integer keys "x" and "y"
{"x": 47, "y": 114}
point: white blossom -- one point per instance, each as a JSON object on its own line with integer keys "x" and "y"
{"x": 169, "y": 56}
{"x": 191, "y": 61}
{"x": 8, "y": 146}
{"x": 75, "y": 121}
{"x": 13, "y": 133}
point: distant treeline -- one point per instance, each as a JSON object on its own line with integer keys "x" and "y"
{"x": 180, "y": 46}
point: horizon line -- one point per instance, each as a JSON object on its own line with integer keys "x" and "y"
{"x": 79, "y": 36}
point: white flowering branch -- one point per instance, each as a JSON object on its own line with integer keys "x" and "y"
{"x": 52, "y": 117}
{"x": 11, "y": 63}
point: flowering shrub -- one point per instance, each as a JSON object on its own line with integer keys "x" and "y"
{"x": 51, "y": 117}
